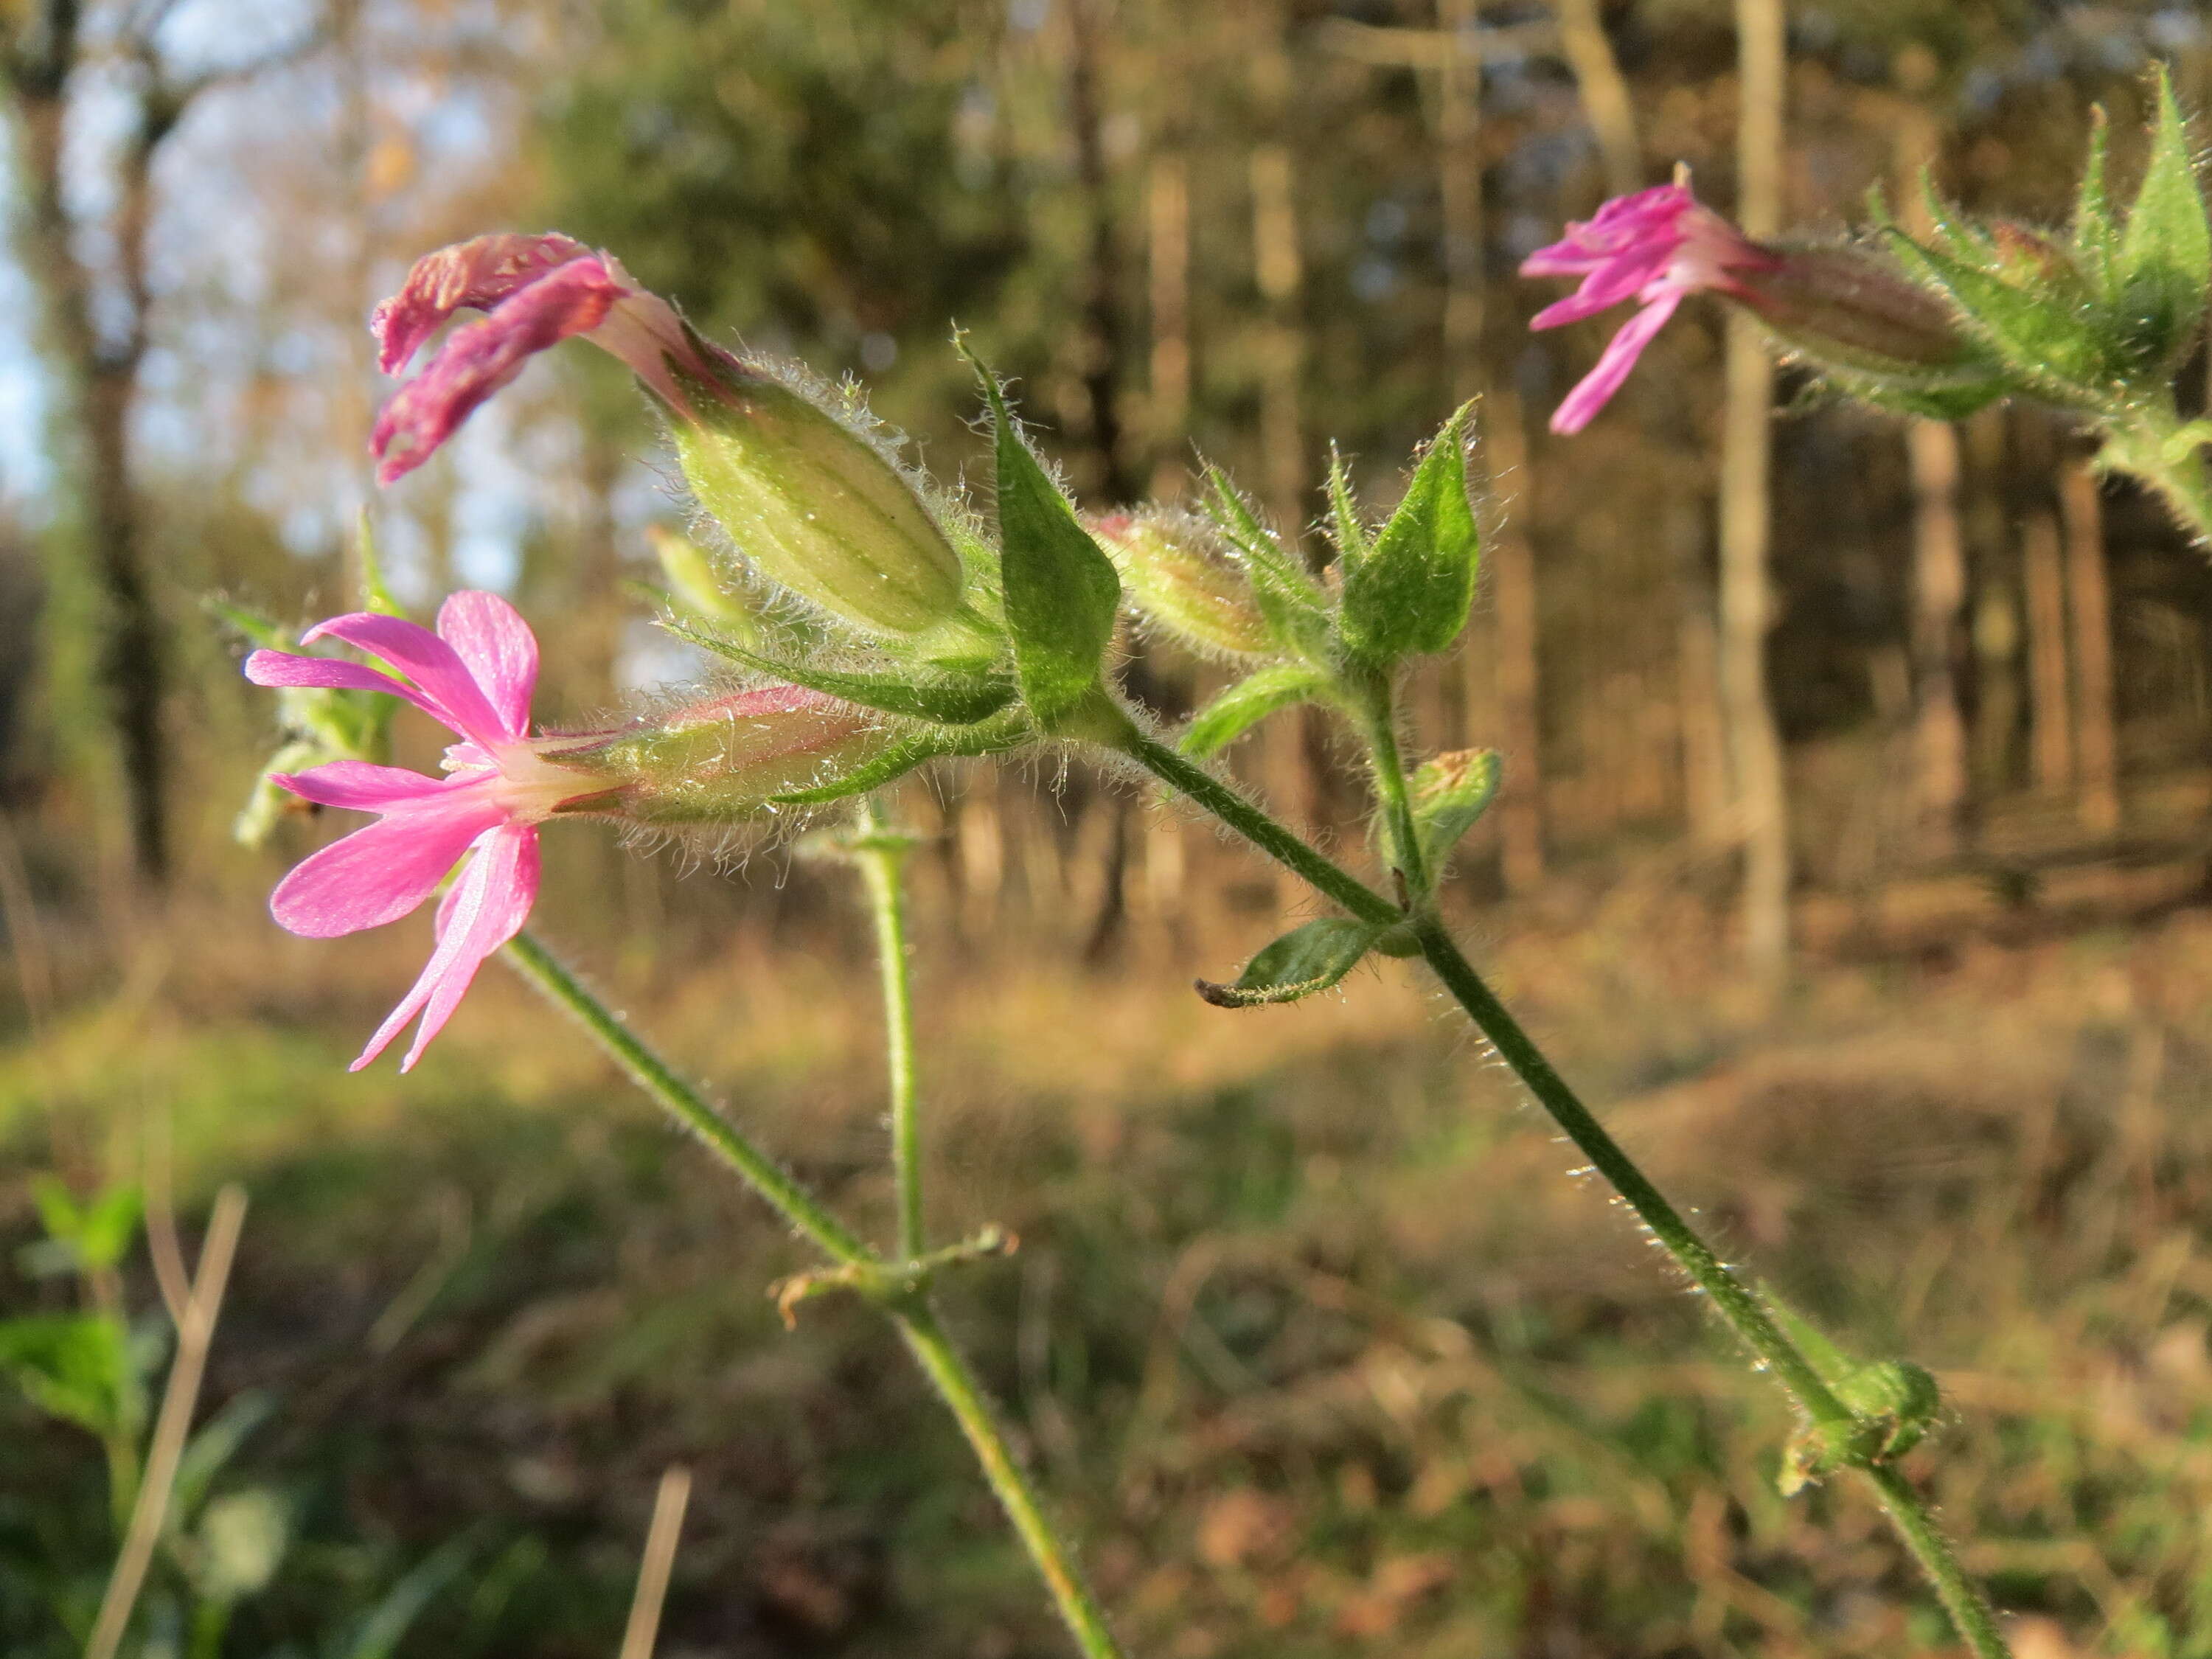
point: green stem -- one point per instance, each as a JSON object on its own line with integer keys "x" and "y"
{"x": 1256, "y": 826}
{"x": 1730, "y": 1297}
{"x": 1961, "y": 1597}
{"x": 1779, "y": 1356}
{"x": 940, "y": 1361}
{"x": 1379, "y": 725}
{"x": 945, "y": 1369}
{"x": 882, "y": 857}
{"x": 2149, "y": 445}
{"x": 650, "y": 1073}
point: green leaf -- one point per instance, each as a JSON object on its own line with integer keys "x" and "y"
{"x": 2043, "y": 341}
{"x": 1449, "y": 793}
{"x": 1940, "y": 402}
{"x": 1246, "y": 703}
{"x": 1304, "y": 961}
{"x": 1296, "y": 609}
{"x": 374, "y": 595}
{"x": 261, "y": 630}
{"x": 2165, "y": 262}
{"x": 214, "y": 1444}
{"x": 1061, "y": 592}
{"x": 73, "y": 1367}
{"x": 1007, "y": 732}
{"x": 2096, "y": 238}
{"x": 1412, "y": 591}
{"x": 1345, "y": 528}
{"x": 97, "y": 1232}
{"x": 944, "y": 700}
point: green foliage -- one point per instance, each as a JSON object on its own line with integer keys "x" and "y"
{"x": 1410, "y": 593}
{"x": 1306, "y": 959}
{"x": 95, "y": 1233}
{"x": 1236, "y": 710}
{"x": 1449, "y": 793}
{"x": 936, "y": 697}
{"x": 1296, "y": 609}
{"x": 1061, "y": 589}
{"x": 77, "y": 1367}
{"x": 2164, "y": 263}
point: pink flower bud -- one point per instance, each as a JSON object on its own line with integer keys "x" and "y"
{"x": 724, "y": 759}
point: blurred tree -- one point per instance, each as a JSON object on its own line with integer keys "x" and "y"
{"x": 98, "y": 313}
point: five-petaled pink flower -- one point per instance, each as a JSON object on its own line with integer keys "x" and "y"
{"x": 474, "y": 675}
{"x": 1654, "y": 247}
{"x": 539, "y": 291}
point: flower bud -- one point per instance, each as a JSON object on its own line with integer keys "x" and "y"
{"x": 1855, "y": 310}
{"x": 1180, "y": 575}
{"x": 814, "y": 506}
{"x": 730, "y": 758}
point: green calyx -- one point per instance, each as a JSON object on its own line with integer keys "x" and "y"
{"x": 815, "y": 507}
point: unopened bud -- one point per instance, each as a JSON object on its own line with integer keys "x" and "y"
{"x": 1180, "y": 575}
{"x": 727, "y": 758}
{"x": 1855, "y": 310}
{"x": 813, "y": 505}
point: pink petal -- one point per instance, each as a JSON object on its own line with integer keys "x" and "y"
{"x": 487, "y": 907}
{"x": 285, "y": 668}
{"x": 1617, "y": 279}
{"x": 1582, "y": 404}
{"x": 477, "y": 361}
{"x": 498, "y": 649}
{"x": 479, "y": 272}
{"x": 449, "y": 689}
{"x": 361, "y": 787}
{"x": 380, "y": 874}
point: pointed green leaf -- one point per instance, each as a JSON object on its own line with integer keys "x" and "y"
{"x": 1008, "y": 731}
{"x": 73, "y": 1367}
{"x": 1061, "y": 592}
{"x": 1247, "y": 702}
{"x": 1304, "y": 961}
{"x": 949, "y": 702}
{"x": 1412, "y": 591}
{"x": 1296, "y": 609}
{"x": 1449, "y": 793}
{"x": 1345, "y": 528}
{"x": 2043, "y": 341}
{"x": 1938, "y": 402}
{"x": 2096, "y": 238}
{"x": 2164, "y": 263}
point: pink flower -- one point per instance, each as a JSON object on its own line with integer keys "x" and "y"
{"x": 1654, "y": 247}
{"x": 474, "y": 675}
{"x": 539, "y": 291}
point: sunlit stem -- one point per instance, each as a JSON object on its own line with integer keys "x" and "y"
{"x": 1744, "y": 1314}
{"x": 882, "y": 856}
{"x": 941, "y": 1363}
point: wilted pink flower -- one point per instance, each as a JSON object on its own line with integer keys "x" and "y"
{"x": 474, "y": 675}
{"x": 539, "y": 291}
{"x": 1654, "y": 247}
{"x": 809, "y": 500}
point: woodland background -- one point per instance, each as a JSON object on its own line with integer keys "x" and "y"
{"x": 1854, "y": 844}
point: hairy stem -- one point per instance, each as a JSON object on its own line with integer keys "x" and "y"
{"x": 804, "y": 1212}
{"x": 966, "y": 1400}
{"x": 1378, "y": 724}
{"x": 1779, "y": 1356}
{"x": 1253, "y": 823}
{"x": 940, "y": 1361}
{"x": 882, "y": 858}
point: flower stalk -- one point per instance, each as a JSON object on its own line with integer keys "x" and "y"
{"x": 901, "y": 1295}
{"x": 1846, "y": 1436}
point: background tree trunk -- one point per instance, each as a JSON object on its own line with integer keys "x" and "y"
{"x": 1747, "y": 606}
